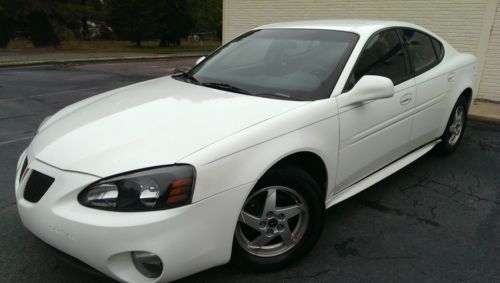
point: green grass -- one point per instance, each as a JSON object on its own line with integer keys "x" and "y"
{"x": 111, "y": 46}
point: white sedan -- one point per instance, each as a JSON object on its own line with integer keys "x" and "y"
{"x": 238, "y": 158}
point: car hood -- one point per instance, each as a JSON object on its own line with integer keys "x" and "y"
{"x": 153, "y": 123}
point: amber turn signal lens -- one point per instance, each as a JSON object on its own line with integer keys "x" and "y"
{"x": 180, "y": 191}
{"x": 176, "y": 199}
{"x": 182, "y": 183}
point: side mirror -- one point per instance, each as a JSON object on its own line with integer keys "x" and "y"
{"x": 181, "y": 69}
{"x": 367, "y": 88}
{"x": 200, "y": 60}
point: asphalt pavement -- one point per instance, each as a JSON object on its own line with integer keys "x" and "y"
{"x": 437, "y": 220}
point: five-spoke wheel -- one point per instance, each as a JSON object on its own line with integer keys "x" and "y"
{"x": 272, "y": 221}
{"x": 280, "y": 221}
{"x": 455, "y": 128}
{"x": 457, "y": 124}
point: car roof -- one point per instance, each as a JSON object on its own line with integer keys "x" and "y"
{"x": 360, "y": 26}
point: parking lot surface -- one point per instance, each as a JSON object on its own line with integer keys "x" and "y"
{"x": 437, "y": 220}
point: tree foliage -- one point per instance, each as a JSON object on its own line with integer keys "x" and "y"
{"x": 207, "y": 15}
{"x": 92, "y": 12}
{"x": 172, "y": 21}
{"x": 131, "y": 19}
{"x": 48, "y": 22}
{"x": 8, "y": 14}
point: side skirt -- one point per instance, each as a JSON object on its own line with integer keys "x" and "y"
{"x": 379, "y": 175}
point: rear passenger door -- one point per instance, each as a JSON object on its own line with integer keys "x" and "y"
{"x": 432, "y": 84}
{"x": 376, "y": 132}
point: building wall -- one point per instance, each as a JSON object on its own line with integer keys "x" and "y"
{"x": 463, "y": 23}
{"x": 489, "y": 87}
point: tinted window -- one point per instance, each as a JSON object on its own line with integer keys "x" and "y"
{"x": 439, "y": 48}
{"x": 421, "y": 50}
{"x": 383, "y": 56}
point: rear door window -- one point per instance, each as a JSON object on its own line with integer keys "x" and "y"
{"x": 438, "y": 46}
{"x": 423, "y": 51}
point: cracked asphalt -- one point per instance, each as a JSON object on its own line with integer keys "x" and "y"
{"x": 437, "y": 220}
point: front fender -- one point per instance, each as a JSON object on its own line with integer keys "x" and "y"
{"x": 246, "y": 156}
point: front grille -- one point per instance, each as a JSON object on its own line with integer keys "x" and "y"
{"x": 25, "y": 164}
{"x": 37, "y": 186}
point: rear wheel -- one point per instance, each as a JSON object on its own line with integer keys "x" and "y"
{"x": 455, "y": 128}
{"x": 280, "y": 221}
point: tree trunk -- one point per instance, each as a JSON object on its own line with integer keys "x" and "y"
{"x": 85, "y": 29}
{"x": 163, "y": 42}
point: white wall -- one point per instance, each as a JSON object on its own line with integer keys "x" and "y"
{"x": 463, "y": 23}
{"x": 489, "y": 87}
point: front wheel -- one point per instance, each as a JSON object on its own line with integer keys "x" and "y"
{"x": 280, "y": 221}
{"x": 455, "y": 128}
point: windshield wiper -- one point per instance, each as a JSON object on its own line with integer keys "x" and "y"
{"x": 277, "y": 95}
{"x": 228, "y": 87}
{"x": 189, "y": 78}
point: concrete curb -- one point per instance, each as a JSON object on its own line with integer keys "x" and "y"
{"x": 485, "y": 111}
{"x": 487, "y": 119}
{"x": 100, "y": 60}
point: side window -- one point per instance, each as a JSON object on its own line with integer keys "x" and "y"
{"x": 383, "y": 56}
{"x": 438, "y": 46}
{"x": 421, "y": 49}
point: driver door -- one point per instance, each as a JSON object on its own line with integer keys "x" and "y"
{"x": 376, "y": 133}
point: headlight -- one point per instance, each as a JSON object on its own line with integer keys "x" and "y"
{"x": 150, "y": 189}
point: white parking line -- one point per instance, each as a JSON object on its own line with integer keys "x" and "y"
{"x": 15, "y": 140}
{"x": 51, "y": 93}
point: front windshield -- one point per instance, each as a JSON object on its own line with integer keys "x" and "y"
{"x": 296, "y": 64}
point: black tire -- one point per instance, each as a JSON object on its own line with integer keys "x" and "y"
{"x": 448, "y": 145}
{"x": 304, "y": 185}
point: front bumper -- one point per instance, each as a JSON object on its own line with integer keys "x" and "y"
{"x": 72, "y": 261}
{"x": 187, "y": 239}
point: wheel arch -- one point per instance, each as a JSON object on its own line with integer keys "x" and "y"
{"x": 467, "y": 93}
{"x": 308, "y": 161}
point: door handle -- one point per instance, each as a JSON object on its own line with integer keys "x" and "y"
{"x": 451, "y": 77}
{"x": 405, "y": 99}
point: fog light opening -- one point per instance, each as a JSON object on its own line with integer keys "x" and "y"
{"x": 148, "y": 264}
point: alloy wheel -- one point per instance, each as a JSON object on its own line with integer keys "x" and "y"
{"x": 272, "y": 221}
{"x": 456, "y": 126}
